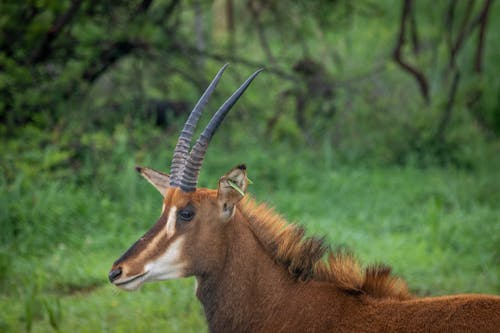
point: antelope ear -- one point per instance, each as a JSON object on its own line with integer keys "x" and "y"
{"x": 160, "y": 180}
{"x": 232, "y": 187}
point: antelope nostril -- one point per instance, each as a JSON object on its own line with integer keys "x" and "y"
{"x": 115, "y": 274}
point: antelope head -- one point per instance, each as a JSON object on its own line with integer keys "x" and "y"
{"x": 188, "y": 238}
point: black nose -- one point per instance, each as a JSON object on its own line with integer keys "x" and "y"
{"x": 114, "y": 274}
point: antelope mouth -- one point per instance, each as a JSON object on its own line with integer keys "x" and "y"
{"x": 132, "y": 283}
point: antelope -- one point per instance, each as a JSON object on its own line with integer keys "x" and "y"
{"x": 256, "y": 272}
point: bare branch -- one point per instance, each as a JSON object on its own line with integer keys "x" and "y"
{"x": 414, "y": 33}
{"x": 397, "y": 54}
{"x": 43, "y": 50}
{"x": 446, "y": 116}
{"x": 464, "y": 32}
{"x": 482, "y": 32}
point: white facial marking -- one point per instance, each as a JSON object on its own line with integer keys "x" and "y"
{"x": 168, "y": 230}
{"x": 169, "y": 265}
{"x": 172, "y": 217}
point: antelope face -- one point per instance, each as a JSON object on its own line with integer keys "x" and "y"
{"x": 188, "y": 238}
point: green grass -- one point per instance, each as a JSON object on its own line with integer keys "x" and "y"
{"x": 438, "y": 228}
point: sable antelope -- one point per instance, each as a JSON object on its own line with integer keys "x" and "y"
{"x": 257, "y": 273}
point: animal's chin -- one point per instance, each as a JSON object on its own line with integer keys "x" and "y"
{"x": 132, "y": 286}
{"x": 133, "y": 283}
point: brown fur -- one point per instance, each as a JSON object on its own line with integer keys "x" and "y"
{"x": 304, "y": 257}
{"x": 266, "y": 283}
{"x": 257, "y": 273}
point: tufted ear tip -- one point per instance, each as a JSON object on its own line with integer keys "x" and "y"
{"x": 158, "y": 179}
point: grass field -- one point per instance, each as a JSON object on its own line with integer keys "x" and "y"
{"x": 439, "y": 228}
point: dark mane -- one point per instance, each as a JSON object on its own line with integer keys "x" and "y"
{"x": 309, "y": 258}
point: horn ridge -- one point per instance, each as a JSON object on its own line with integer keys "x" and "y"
{"x": 181, "y": 151}
{"x": 194, "y": 161}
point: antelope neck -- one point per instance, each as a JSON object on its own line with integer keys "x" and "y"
{"x": 248, "y": 285}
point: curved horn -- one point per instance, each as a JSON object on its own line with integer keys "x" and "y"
{"x": 193, "y": 164}
{"x": 181, "y": 151}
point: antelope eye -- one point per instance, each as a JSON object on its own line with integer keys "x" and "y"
{"x": 186, "y": 215}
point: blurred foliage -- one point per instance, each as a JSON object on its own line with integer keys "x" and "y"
{"x": 74, "y": 67}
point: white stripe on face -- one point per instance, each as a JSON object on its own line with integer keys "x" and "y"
{"x": 169, "y": 265}
{"x": 167, "y": 230}
{"x": 172, "y": 217}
